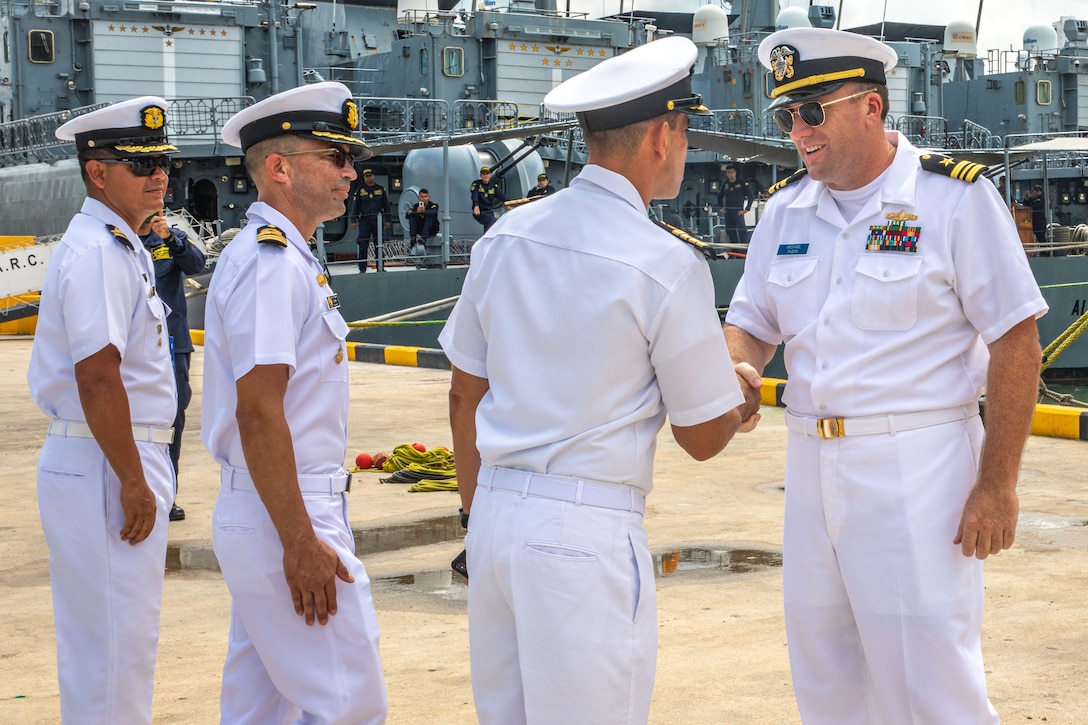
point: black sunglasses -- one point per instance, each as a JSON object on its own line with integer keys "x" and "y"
{"x": 142, "y": 165}
{"x": 339, "y": 156}
{"x": 812, "y": 113}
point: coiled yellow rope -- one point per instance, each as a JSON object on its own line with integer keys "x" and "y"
{"x": 432, "y": 470}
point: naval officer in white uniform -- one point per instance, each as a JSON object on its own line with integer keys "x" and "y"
{"x": 100, "y": 368}
{"x": 304, "y": 636}
{"x": 901, "y": 292}
{"x": 570, "y": 344}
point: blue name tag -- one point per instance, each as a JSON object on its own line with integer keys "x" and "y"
{"x": 785, "y": 249}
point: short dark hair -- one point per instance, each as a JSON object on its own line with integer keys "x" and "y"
{"x": 730, "y": 167}
{"x": 424, "y": 191}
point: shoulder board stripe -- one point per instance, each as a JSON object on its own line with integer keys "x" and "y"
{"x": 120, "y": 236}
{"x": 959, "y": 169}
{"x": 510, "y": 203}
{"x": 269, "y": 234}
{"x": 708, "y": 251}
{"x": 791, "y": 179}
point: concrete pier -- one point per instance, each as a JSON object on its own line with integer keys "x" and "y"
{"x": 715, "y": 529}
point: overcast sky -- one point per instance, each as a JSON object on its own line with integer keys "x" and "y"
{"x": 1003, "y": 21}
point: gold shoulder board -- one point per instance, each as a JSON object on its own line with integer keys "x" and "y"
{"x": 968, "y": 171}
{"x": 120, "y": 236}
{"x": 791, "y": 179}
{"x": 269, "y": 234}
{"x": 708, "y": 251}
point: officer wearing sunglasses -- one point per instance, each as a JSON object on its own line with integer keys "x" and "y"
{"x": 275, "y": 419}
{"x": 100, "y": 368}
{"x": 900, "y": 289}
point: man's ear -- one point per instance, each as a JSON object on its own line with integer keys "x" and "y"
{"x": 276, "y": 167}
{"x": 659, "y": 138}
{"x": 96, "y": 172}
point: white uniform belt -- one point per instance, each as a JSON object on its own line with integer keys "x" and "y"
{"x": 78, "y": 429}
{"x": 877, "y": 424}
{"x": 238, "y": 479}
{"x": 581, "y": 491}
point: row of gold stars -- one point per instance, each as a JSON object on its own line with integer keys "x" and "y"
{"x": 536, "y": 49}
{"x": 544, "y": 61}
{"x": 146, "y": 29}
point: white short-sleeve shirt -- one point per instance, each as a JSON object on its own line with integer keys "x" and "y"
{"x": 270, "y": 305}
{"x": 871, "y": 324}
{"x": 588, "y": 332}
{"x": 100, "y": 291}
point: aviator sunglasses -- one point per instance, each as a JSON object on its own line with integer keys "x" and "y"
{"x": 339, "y": 156}
{"x": 142, "y": 165}
{"x": 812, "y": 113}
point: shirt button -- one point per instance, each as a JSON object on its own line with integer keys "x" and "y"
{"x": 823, "y": 366}
{"x": 823, "y": 407}
{"x": 884, "y": 274}
{"x": 160, "y": 342}
{"x": 827, "y": 322}
{"x": 838, "y": 280}
{"x": 789, "y": 277}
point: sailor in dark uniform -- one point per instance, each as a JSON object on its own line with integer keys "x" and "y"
{"x": 174, "y": 256}
{"x": 370, "y": 200}
{"x": 423, "y": 217}
{"x": 735, "y": 200}
{"x": 486, "y": 195}
{"x": 542, "y": 188}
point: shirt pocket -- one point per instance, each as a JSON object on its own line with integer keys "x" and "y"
{"x": 334, "y": 352}
{"x": 156, "y": 336}
{"x": 886, "y": 292}
{"x": 791, "y": 286}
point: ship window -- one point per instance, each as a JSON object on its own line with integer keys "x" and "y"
{"x": 424, "y": 66}
{"x": 40, "y": 46}
{"x": 746, "y": 83}
{"x": 453, "y": 62}
{"x": 768, "y": 84}
{"x": 1043, "y": 93}
{"x": 1020, "y": 90}
{"x": 7, "y": 48}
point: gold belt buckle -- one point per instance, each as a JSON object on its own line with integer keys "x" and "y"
{"x": 830, "y": 428}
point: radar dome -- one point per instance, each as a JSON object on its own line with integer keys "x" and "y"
{"x": 1040, "y": 39}
{"x": 792, "y": 18}
{"x": 959, "y": 38}
{"x": 709, "y": 24}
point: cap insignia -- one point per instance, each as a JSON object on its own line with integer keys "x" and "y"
{"x": 120, "y": 236}
{"x": 782, "y": 58}
{"x": 269, "y": 234}
{"x": 351, "y": 115}
{"x": 152, "y": 117}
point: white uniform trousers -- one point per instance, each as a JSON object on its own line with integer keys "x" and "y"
{"x": 278, "y": 670}
{"x": 107, "y": 593}
{"x": 562, "y": 612}
{"x": 883, "y": 611}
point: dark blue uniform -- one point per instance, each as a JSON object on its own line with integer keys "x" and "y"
{"x": 537, "y": 191}
{"x": 423, "y": 223}
{"x": 734, "y": 197}
{"x": 369, "y": 202}
{"x": 487, "y": 197}
{"x": 175, "y": 258}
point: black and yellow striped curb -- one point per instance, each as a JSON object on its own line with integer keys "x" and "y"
{"x": 1052, "y": 421}
{"x": 416, "y": 357}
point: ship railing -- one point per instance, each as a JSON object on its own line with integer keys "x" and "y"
{"x": 739, "y": 121}
{"x": 402, "y": 116}
{"x": 927, "y": 131}
{"x": 354, "y": 78}
{"x": 491, "y": 115}
{"x": 34, "y": 139}
{"x": 201, "y": 119}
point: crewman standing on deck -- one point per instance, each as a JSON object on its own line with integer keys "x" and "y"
{"x": 100, "y": 368}
{"x": 734, "y": 201}
{"x": 901, "y": 292}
